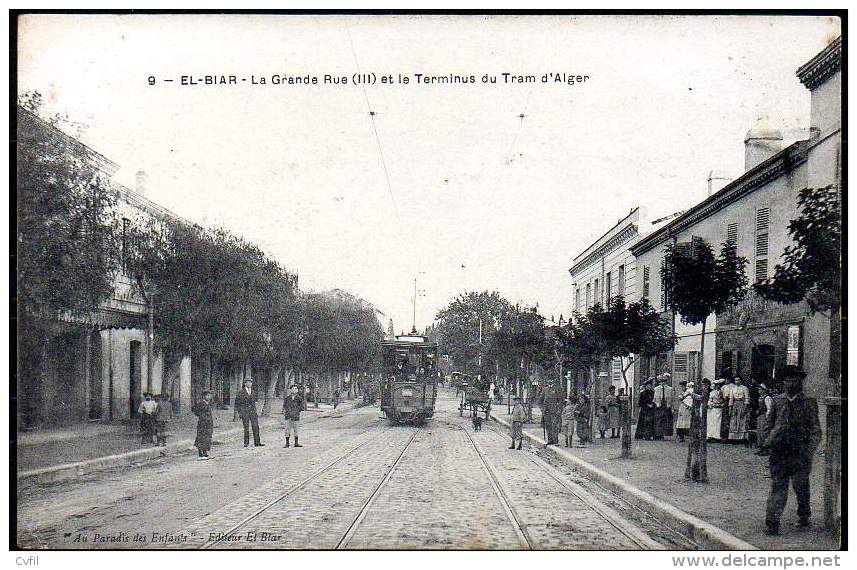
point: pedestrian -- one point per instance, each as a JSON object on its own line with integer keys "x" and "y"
{"x": 204, "y": 425}
{"x": 292, "y": 406}
{"x": 602, "y": 420}
{"x": 766, "y": 407}
{"x": 739, "y": 412}
{"x": 519, "y": 415}
{"x": 793, "y": 436}
{"x": 147, "y": 410}
{"x": 646, "y": 419}
{"x": 685, "y": 411}
{"x": 663, "y": 399}
{"x": 568, "y": 421}
{"x": 163, "y": 415}
{"x": 715, "y": 411}
{"x": 582, "y": 413}
{"x": 245, "y": 403}
{"x": 614, "y": 412}
{"x": 335, "y": 399}
{"x": 551, "y": 415}
{"x": 726, "y": 393}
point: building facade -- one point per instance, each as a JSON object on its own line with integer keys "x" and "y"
{"x": 757, "y": 338}
{"x": 95, "y": 367}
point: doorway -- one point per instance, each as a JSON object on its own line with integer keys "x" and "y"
{"x": 136, "y": 376}
{"x": 762, "y": 364}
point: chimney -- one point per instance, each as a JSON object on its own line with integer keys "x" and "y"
{"x": 717, "y": 179}
{"x": 140, "y": 182}
{"x": 760, "y": 145}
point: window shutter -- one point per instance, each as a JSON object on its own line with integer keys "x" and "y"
{"x": 762, "y": 245}
{"x": 761, "y": 270}
{"x": 621, "y": 280}
{"x": 608, "y": 286}
{"x": 680, "y": 366}
{"x": 732, "y": 234}
{"x": 763, "y": 219}
{"x": 645, "y": 281}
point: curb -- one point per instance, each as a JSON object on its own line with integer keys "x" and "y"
{"x": 68, "y": 471}
{"x": 706, "y": 535}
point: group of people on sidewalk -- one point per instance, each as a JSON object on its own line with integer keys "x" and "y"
{"x": 155, "y": 415}
{"x": 788, "y": 428}
{"x": 245, "y": 405}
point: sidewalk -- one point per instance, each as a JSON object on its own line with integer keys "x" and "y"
{"x": 734, "y": 499}
{"x": 61, "y": 452}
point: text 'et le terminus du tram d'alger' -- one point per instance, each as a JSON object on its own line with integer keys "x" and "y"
{"x": 505, "y": 78}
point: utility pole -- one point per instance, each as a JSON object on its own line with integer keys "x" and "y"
{"x": 150, "y": 342}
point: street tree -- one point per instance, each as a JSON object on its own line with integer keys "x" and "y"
{"x": 697, "y": 284}
{"x": 811, "y": 269}
{"x": 66, "y": 251}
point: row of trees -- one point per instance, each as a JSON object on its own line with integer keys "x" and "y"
{"x": 212, "y": 292}
{"x": 515, "y": 341}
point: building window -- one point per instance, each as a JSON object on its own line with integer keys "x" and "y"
{"x": 664, "y": 299}
{"x": 732, "y": 234}
{"x": 597, "y": 293}
{"x": 763, "y": 219}
{"x": 645, "y": 282}
{"x": 608, "y": 286}
{"x": 621, "y": 283}
{"x": 588, "y": 294}
{"x": 577, "y": 299}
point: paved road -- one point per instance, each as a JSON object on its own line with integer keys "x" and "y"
{"x": 357, "y": 483}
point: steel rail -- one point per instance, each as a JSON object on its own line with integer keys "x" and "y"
{"x": 291, "y": 490}
{"x": 520, "y": 529}
{"x": 352, "y": 528}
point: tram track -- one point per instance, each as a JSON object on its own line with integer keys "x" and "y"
{"x": 223, "y": 537}
{"x": 608, "y": 514}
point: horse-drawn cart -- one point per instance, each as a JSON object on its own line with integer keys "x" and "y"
{"x": 475, "y": 401}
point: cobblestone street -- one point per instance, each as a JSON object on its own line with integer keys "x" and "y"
{"x": 356, "y": 483}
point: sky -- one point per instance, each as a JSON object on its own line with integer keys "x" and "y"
{"x": 445, "y": 183}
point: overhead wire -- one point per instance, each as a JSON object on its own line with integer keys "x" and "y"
{"x": 374, "y": 126}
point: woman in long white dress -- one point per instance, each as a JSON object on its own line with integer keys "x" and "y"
{"x": 715, "y": 411}
{"x": 739, "y": 412}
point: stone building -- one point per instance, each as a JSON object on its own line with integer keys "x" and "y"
{"x": 94, "y": 367}
{"x": 757, "y": 338}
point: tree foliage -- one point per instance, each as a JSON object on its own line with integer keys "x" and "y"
{"x": 65, "y": 238}
{"x": 697, "y": 283}
{"x": 812, "y": 266}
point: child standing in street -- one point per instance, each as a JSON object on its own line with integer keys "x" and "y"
{"x": 148, "y": 408}
{"x": 602, "y": 419}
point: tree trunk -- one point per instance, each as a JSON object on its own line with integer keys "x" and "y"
{"x": 625, "y": 403}
{"x": 703, "y": 420}
{"x": 270, "y": 386}
{"x": 239, "y": 385}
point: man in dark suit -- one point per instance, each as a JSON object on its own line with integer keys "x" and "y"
{"x": 292, "y": 406}
{"x": 793, "y": 436}
{"x": 245, "y": 403}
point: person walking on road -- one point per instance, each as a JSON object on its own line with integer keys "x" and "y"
{"x": 519, "y": 416}
{"x": 245, "y": 403}
{"x": 766, "y": 407}
{"x": 204, "y": 425}
{"x": 794, "y": 433}
{"x": 335, "y": 399}
{"x": 293, "y": 404}
{"x": 163, "y": 415}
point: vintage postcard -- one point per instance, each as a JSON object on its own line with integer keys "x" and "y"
{"x": 428, "y": 281}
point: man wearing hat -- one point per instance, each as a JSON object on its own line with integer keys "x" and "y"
{"x": 568, "y": 421}
{"x": 793, "y": 436}
{"x": 245, "y": 403}
{"x": 519, "y": 416}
